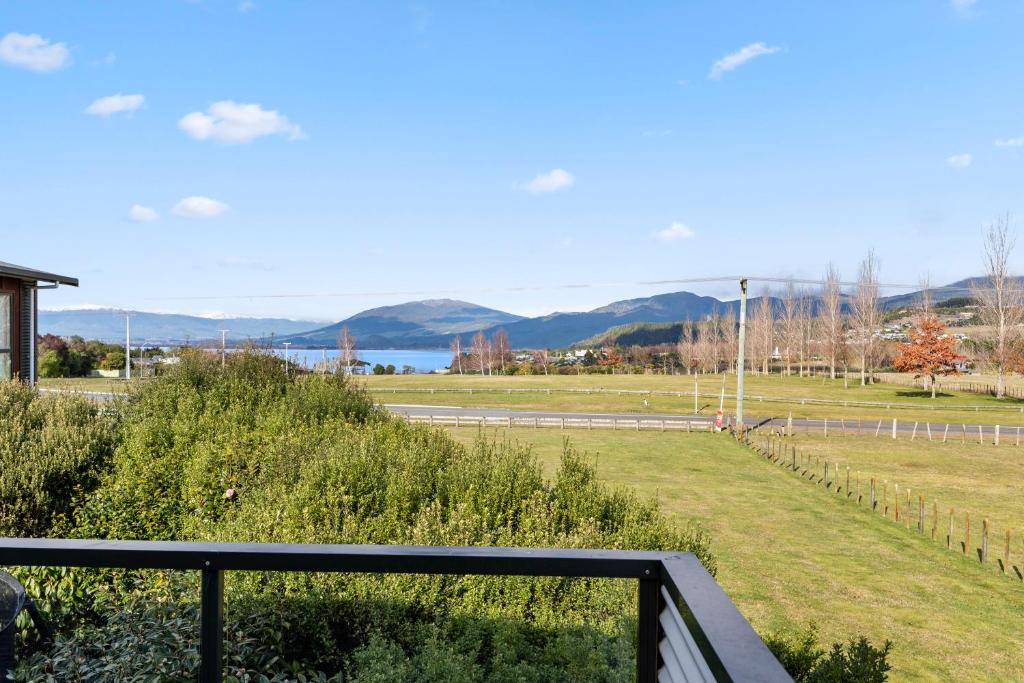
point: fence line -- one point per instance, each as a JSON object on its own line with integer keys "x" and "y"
{"x": 996, "y": 434}
{"x": 889, "y": 405}
{"x": 628, "y": 424}
{"x": 779, "y": 450}
{"x": 968, "y": 387}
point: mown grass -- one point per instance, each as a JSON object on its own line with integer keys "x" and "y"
{"x": 981, "y": 479}
{"x": 910, "y": 404}
{"x": 790, "y": 552}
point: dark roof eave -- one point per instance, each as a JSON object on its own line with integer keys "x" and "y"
{"x": 23, "y": 273}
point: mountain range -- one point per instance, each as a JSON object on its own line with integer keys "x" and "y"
{"x": 420, "y": 324}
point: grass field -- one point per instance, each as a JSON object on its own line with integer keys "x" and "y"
{"x": 790, "y": 553}
{"x": 909, "y": 404}
{"x": 983, "y": 480}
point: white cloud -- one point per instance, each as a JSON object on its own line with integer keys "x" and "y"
{"x": 1011, "y": 142}
{"x": 199, "y": 207}
{"x": 246, "y": 6}
{"x": 740, "y": 57}
{"x": 232, "y": 122}
{"x": 552, "y": 181}
{"x": 963, "y": 5}
{"x": 142, "y": 214}
{"x": 105, "y": 106}
{"x": 676, "y": 231}
{"x": 959, "y": 160}
{"x": 107, "y": 60}
{"x": 33, "y": 52}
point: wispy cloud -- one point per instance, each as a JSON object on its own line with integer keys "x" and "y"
{"x": 142, "y": 214}
{"x": 959, "y": 160}
{"x": 737, "y": 59}
{"x": 105, "y": 106}
{"x": 963, "y": 5}
{"x": 199, "y": 207}
{"x": 232, "y": 122}
{"x": 1011, "y": 142}
{"x": 246, "y": 6}
{"x": 676, "y": 231}
{"x": 33, "y": 52}
{"x": 108, "y": 60}
{"x": 552, "y": 181}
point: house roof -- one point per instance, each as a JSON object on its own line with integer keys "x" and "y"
{"x": 23, "y": 273}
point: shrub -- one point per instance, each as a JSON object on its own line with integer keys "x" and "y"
{"x": 856, "y": 662}
{"x": 53, "y": 450}
{"x": 308, "y": 459}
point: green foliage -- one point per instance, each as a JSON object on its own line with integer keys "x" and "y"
{"x": 53, "y": 450}
{"x": 51, "y": 365}
{"x": 114, "y": 360}
{"x": 856, "y": 662}
{"x": 253, "y": 454}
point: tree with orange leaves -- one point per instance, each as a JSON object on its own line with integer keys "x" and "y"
{"x": 610, "y": 357}
{"x": 929, "y": 353}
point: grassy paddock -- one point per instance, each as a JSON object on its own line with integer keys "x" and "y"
{"x": 953, "y": 407}
{"x": 983, "y": 480}
{"x": 790, "y": 553}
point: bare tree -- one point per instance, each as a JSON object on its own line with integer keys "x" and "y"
{"x": 543, "y": 357}
{"x": 790, "y": 325}
{"x": 347, "y": 348}
{"x": 729, "y": 334}
{"x": 502, "y": 347}
{"x": 478, "y": 348}
{"x": 924, "y": 298}
{"x": 456, "y": 348}
{"x": 866, "y": 314}
{"x": 999, "y": 301}
{"x": 761, "y": 335}
{"x": 803, "y": 325}
{"x": 685, "y": 346}
{"x": 830, "y": 319}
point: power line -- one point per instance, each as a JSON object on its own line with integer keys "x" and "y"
{"x": 537, "y": 288}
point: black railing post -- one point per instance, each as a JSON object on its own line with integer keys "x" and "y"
{"x": 211, "y": 628}
{"x": 648, "y": 630}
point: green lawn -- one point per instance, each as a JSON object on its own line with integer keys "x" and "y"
{"x": 984, "y": 480}
{"x": 500, "y": 391}
{"x": 790, "y": 552}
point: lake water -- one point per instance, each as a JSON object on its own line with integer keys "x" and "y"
{"x": 423, "y": 361}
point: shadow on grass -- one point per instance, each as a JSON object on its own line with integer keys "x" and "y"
{"x": 923, "y": 394}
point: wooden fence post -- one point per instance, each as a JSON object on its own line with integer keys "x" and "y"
{"x": 826, "y": 426}
{"x": 894, "y": 428}
{"x": 872, "y": 495}
{"x": 913, "y": 433}
{"x": 458, "y": 421}
{"x": 794, "y": 458}
{"x": 949, "y": 538}
{"x": 896, "y": 502}
{"x": 945, "y": 433}
{"x": 920, "y": 514}
{"x": 1006, "y": 552}
{"x": 984, "y": 540}
{"x": 997, "y": 435}
{"x": 935, "y": 519}
{"x": 878, "y": 429}
{"x": 847, "y": 481}
{"x": 981, "y": 435}
{"x": 928, "y": 426}
{"x": 967, "y": 532}
{"x": 826, "y": 475}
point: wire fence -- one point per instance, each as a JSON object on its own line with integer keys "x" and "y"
{"x": 944, "y": 526}
{"x": 613, "y": 423}
{"x": 986, "y": 388}
{"x": 509, "y": 391}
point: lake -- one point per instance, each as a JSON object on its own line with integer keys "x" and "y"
{"x": 423, "y": 361}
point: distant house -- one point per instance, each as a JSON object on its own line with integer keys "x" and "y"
{"x": 19, "y": 287}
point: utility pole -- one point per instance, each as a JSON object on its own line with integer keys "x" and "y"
{"x": 286, "y": 345}
{"x": 127, "y": 346}
{"x": 740, "y": 361}
{"x": 223, "y": 348}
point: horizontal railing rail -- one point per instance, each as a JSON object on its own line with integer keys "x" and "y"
{"x": 688, "y": 629}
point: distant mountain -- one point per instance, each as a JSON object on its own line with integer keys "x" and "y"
{"x": 956, "y": 290}
{"x": 108, "y": 324}
{"x": 565, "y": 329}
{"x": 417, "y": 324}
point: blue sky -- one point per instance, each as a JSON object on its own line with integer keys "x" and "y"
{"x": 476, "y": 147}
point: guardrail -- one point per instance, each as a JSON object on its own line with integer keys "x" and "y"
{"x": 688, "y": 630}
{"x": 614, "y": 423}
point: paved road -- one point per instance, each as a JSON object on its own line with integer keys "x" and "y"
{"x": 1008, "y": 432}
{"x": 865, "y": 426}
